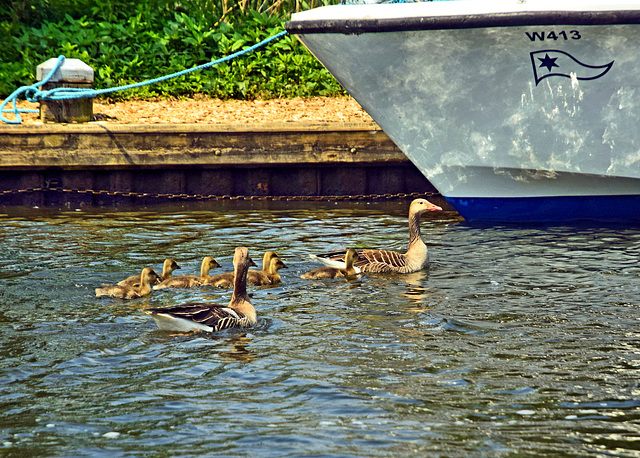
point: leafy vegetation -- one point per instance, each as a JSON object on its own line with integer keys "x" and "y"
{"x": 128, "y": 41}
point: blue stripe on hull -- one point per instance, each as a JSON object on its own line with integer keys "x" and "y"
{"x": 618, "y": 209}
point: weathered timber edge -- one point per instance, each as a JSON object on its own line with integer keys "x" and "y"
{"x": 118, "y": 162}
{"x": 126, "y": 146}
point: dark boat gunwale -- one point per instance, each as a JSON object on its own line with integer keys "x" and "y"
{"x": 471, "y": 21}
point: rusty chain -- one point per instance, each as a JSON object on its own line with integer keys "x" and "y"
{"x": 183, "y": 196}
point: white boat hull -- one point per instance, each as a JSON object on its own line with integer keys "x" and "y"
{"x": 514, "y": 111}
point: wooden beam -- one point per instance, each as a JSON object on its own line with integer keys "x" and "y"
{"x": 102, "y": 145}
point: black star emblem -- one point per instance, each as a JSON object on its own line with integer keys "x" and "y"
{"x": 548, "y": 62}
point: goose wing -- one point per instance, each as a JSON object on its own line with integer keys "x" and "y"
{"x": 184, "y": 281}
{"x": 258, "y": 278}
{"x": 224, "y": 280}
{"x": 130, "y": 281}
{"x": 380, "y": 261}
{"x": 121, "y": 292}
{"x": 322, "y": 273}
{"x": 369, "y": 260}
{"x": 189, "y": 317}
{"x": 134, "y": 280}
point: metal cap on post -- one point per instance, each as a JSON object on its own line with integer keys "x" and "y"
{"x": 72, "y": 73}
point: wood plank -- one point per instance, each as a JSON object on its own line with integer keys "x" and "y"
{"x": 116, "y": 146}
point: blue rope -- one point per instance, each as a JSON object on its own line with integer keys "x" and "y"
{"x": 33, "y": 89}
{"x": 33, "y": 94}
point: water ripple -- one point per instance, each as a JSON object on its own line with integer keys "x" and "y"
{"x": 516, "y": 341}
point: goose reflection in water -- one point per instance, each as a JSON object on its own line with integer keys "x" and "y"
{"x": 238, "y": 349}
{"x": 416, "y": 292}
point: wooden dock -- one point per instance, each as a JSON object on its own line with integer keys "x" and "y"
{"x": 108, "y": 164}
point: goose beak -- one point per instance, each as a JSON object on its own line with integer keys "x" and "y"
{"x": 433, "y": 208}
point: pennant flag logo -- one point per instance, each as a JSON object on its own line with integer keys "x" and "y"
{"x": 551, "y": 62}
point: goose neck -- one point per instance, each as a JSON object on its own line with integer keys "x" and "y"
{"x": 145, "y": 288}
{"x": 239, "y": 282}
{"x": 204, "y": 268}
{"x": 414, "y": 229}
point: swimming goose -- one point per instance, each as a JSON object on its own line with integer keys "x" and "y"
{"x": 224, "y": 280}
{"x": 209, "y": 317}
{"x": 270, "y": 276}
{"x": 145, "y": 280}
{"x": 271, "y": 263}
{"x": 414, "y": 259}
{"x": 324, "y": 273}
{"x": 167, "y": 269}
{"x": 189, "y": 281}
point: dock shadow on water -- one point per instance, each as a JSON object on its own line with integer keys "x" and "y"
{"x": 515, "y": 341}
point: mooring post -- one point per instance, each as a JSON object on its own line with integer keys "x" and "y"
{"x": 72, "y": 73}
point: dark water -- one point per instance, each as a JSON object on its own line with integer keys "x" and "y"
{"x": 516, "y": 342}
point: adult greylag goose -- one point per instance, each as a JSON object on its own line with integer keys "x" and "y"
{"x": 143, "y": 288}
{"x": 271, "y": 263}
{"x": 414, "y": 259}
{"x": 189, "y": 281}
{"x": 324, "y": 273}
{"x": 210, "y": 317}
{"x": 168, "y": 267}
